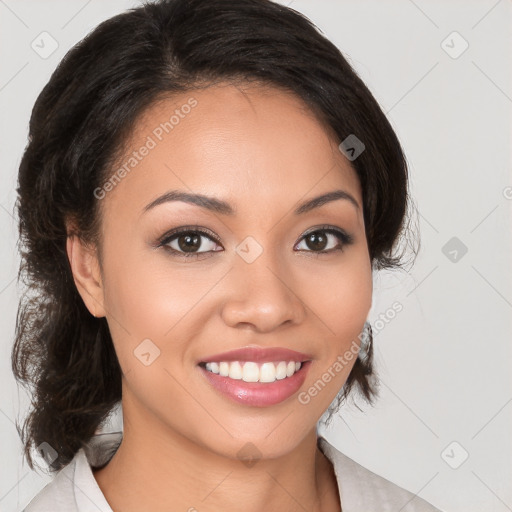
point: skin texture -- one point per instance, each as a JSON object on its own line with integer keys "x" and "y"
{"x": 263, "y": 151}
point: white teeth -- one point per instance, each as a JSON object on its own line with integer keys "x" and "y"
{"x": 223, "y": 369}
{"x": 254, "y": 372}
{"x": 267, "y": 372}
{"x": 281, "y": 371}
{"x": 235, "y": 370}
{"x": 251, "y": 372}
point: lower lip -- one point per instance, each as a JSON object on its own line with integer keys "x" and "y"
{"x": 258, "y": 394}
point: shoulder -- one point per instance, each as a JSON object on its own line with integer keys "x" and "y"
{"x": 362, "y": 490}
{"x": 74, "y": 488}
{"x": 58, "y": 495}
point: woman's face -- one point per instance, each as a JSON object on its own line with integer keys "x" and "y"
{"x": 252, "y": 279}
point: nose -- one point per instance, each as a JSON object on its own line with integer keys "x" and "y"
{"x": 263, "y": 295}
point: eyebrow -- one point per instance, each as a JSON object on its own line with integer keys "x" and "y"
{"x": 222, "y": 207}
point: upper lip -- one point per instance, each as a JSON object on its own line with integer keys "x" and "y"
{"x": 258, "y": 354}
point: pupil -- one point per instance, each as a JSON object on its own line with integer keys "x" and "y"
{"x": 191, "y": 242}
{"x": 316, "y": 241}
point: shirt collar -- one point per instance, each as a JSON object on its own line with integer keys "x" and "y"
{"x": 96, "y": 453}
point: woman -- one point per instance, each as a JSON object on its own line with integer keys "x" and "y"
{"x": 207, "y": 190}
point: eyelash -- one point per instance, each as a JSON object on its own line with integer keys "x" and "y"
{"x": 342, "y": 236}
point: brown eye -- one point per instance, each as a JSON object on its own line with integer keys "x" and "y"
{"x": 324, "y": 240}
{"x": 188, "y": 242}
{"x": 316, "y": 241}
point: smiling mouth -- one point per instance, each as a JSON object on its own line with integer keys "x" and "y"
{"x": 250, "y": 371}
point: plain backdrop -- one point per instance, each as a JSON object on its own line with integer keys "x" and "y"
{"x": 441, "y": 71}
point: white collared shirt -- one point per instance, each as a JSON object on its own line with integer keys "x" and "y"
{"x": 74, "y": 488}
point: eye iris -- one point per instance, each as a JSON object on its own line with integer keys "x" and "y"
{"x": 188, "y": 242}
{"x": 316, "y": 241}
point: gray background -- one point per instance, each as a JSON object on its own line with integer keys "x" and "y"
{"x": 444, "y": 360}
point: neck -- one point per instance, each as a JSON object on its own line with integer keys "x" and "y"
{"x": 173, "y": 473}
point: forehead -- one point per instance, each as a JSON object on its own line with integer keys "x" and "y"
{"x": 259, "y": 143}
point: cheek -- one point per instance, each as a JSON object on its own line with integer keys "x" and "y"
{"x": 148, "y": 297}
{"x": 343, "y": 308}
{"x": 142, "y": 302}
{"x": 343, "y": 298}
{"x": 140, "y": 289}
{"x": 349, "y": 305}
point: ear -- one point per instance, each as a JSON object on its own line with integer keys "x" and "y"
{"x": 85, "y": 267}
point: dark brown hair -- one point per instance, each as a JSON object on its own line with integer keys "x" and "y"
{"x": 79, "y": 123}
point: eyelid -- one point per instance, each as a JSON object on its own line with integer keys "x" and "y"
{"x": 164, "y": 239}
{"x": 347, "y": 238}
